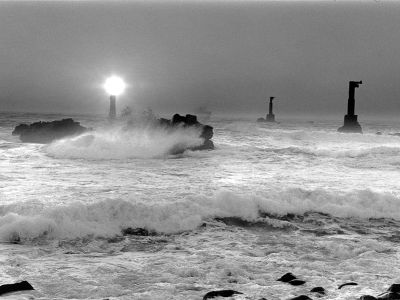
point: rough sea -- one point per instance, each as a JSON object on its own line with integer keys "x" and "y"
{"x": 270, "y": 199}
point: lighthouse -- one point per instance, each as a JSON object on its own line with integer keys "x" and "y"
{"x": 270, "y": 116}
{"x": 114, "y": 86}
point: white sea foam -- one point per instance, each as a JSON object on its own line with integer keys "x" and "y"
{"x": 107, "y": 218}
{"x": 124, "y": 142}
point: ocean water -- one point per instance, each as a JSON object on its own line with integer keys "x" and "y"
{"x": 291, "y": 197}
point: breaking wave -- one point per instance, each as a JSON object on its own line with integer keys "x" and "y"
{"x": 122, "y": 143}
{"x": 108, "y": 218}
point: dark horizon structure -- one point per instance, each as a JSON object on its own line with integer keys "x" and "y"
{"x": 270, "y": 117}
{"x": 350, "y": 120}
{"x": 113, "y": 111}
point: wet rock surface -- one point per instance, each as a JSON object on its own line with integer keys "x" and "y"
{"x": 46, "y": 132}
{"x": 347, "y": 284}
{"x": 318, "y": 290}
{"x": 15, "y": 287}
{"x": 177, "y": 120}
{"x": 221, "y": 293}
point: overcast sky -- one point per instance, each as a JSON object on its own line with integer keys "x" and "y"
{"x": 176, "y": 56}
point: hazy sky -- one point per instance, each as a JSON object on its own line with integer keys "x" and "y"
{"x": 228, "y": 55}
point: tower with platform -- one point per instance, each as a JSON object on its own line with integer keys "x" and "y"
{"x": 350, "y": 120}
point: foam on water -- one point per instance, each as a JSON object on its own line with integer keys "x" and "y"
{"x": 108, "y": 218}
{"x": 124, "y": 142}
{"x": 269, "y": 200}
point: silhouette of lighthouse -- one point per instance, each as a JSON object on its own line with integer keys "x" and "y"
{"x": 112, "y": 115}
{"x": 270, "y": 116}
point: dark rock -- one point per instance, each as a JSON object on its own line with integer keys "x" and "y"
{"x": 189, "y": 121}
{"x": 15, "y": 287}
{"x": 395, "y": 134}
{"x": 319, "y": 290}
{"x": 296, "y": 282}
{"x": 46, "y": 132}
{"x": 345, "y": 284}
{"x": 135, "y": 231}
{"x": 301, "y": 297}
{"x": 367, "y": 297}
{"x": 389, "y": 296}
{"x": 221, "y": 293}
{"x": 379, "y": 133}
{"x": 287, "y": 277}
{"x": 394, "y": 288}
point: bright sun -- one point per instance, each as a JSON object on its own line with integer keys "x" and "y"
{"x": 114, "y": 86}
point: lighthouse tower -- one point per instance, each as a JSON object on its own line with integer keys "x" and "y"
{"x": 113, "y": 111}
{"x": 270, "y": 116}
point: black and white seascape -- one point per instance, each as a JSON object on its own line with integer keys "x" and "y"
{"x": 136, "y": 203}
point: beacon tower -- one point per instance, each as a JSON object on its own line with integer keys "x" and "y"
{"x": 350, "y": 120}
{"x": 270, "y": 116}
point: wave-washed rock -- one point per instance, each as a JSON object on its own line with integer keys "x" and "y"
{"x": 191, "y": 121}
{"x": 15, "y": 287}
{"x": 45, "y": 132}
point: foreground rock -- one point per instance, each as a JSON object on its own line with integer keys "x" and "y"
{"x": 46, "y": 132}
{"x": 287, "y": 277}
{"x": 190, "y": 121}
{"x": 367, "y": 297}
{"x": 136, "y": 231}
{"x": 221, "y": 293}
{"x": 346, "y": 284}
{"x": 319, "y": 290}
{"x": 291, "y": 279}
{"x": 15, "y": 287}
{"x": 301, "y": 297}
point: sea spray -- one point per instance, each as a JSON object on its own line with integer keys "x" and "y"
{"x": 122, "y": 142}
{"x": 107, "y": 218}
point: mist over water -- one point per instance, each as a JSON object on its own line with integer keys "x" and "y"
{"x": 270, "y": 199}
{"x": 122, "y": 142}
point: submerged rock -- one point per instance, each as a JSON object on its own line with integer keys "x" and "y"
{"x": 346, "y": 284}
{"x": 296, "y": 282}
{"x": 221, "y": 293}
{"x": 45, "y": 132}
{"x": 301, "y": 297}
{"x": 15, "y": 287}
{"x": 367, "y": 297}
{"x": 319, "y": 290}
{"x": 135, "y": 231}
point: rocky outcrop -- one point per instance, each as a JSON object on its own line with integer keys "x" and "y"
{"x": 221, "y": 293}
{"x": 190, "y": 121}
{"x": 318, "y": 290}
{"x": 346, "y": 284}
{"x": 15, "y": 287}
{"x": 46, "y": 132}
{"x": 291, "y": 279}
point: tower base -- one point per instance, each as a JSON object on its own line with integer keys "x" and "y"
{"x": 350, "y": 124}
{"x": 270, "y": 118}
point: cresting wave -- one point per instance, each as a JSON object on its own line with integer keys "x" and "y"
{"x": 108, "y": 218}
{"x": 123, "y": 142}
